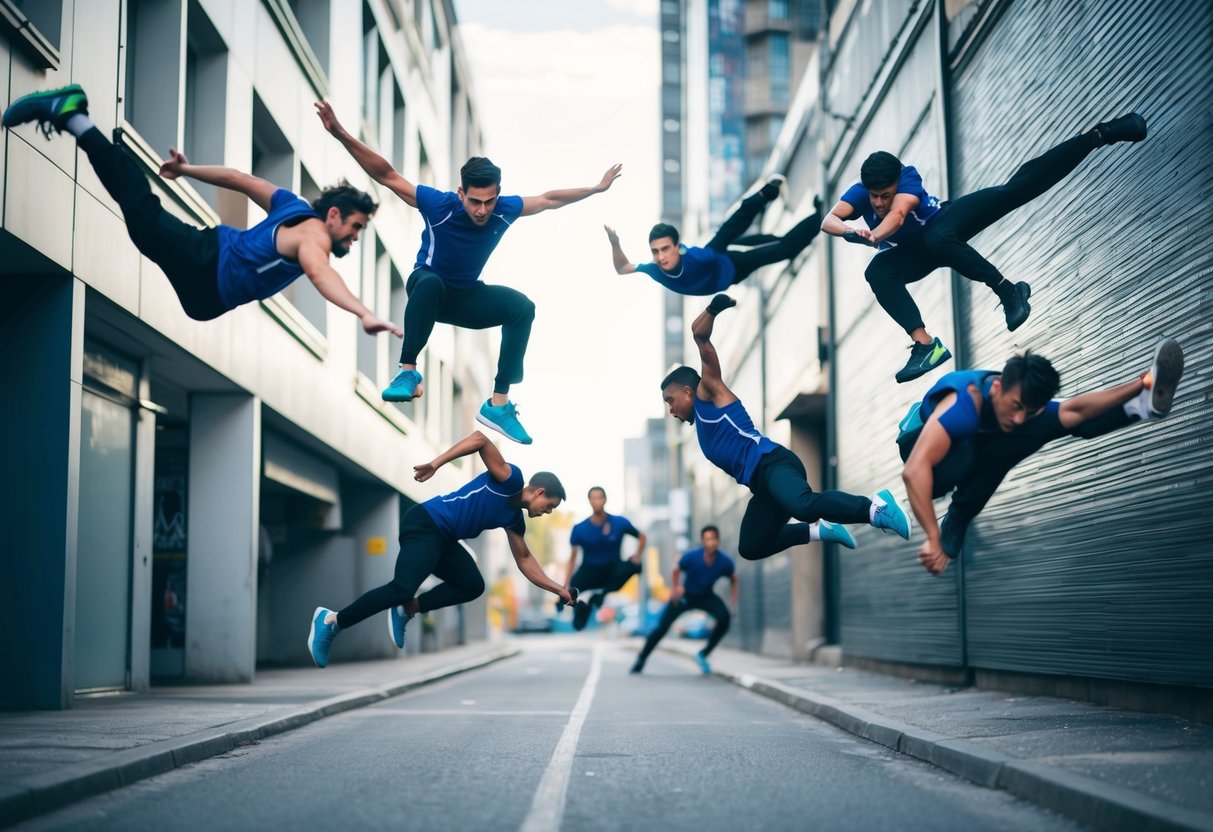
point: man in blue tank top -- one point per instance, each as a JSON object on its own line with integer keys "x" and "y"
{"x": 430, "y": 535}
{"x": 462, "y": 229}
{"x": 214, "y": 270}
{"x": 774, "y": 475}
{"x": 691, "y": 583}
{"x": 600, "y": 538}
{"x": 916, "y": 233}
{"x": 974, "y": 426}
{"x": 716, "y": 267}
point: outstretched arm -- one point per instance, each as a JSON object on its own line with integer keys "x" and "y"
{"x": 622, "y": 264}
{"x": 1079, "y": 409}
{"x": 254, "y": 187}
{"x": 474, "y": 442}
{"x": 833, "y": 223}
{"x": 711, "y": 384}
{"x": 376, "y": 166}
{"x": 919, "y": 477}
{"x": 314, "y": 260}
{"x": 559, "y": 199}
{"x": 530, "y": 567}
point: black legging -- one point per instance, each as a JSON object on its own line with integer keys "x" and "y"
{"x": 772, "y": 249}
{"x": 480, "y": 306}
{"x": 944, "y": 240}
{"x": 709, "y": 602}
{"x": 781, "y": 492}
{"x": 424, "y": 551}
{"x": 609, "y": 577}
{"x": 188, "y": 256}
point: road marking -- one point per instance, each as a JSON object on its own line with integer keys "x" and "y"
{"x": 371, "y": 713}
{"x": 548, "y": 806}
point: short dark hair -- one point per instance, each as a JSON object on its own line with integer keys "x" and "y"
{"x": 549, "y": 482}
{"x": 1038, "y": 382}
{"x": 596, "y": 488}
{"x": 880, "y": 169}
{"x": 709, "y": 528}
{"x": 664, "y": 229}
{"x": 682, "y": 376}
{"x": 479, "y": 172}
{"x": 345, "y": 198}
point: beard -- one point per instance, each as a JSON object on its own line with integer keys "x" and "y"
{"x": 341, "y": 249}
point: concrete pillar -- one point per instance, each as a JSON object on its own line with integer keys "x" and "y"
{"x": 224, "y": 514}
{"x": 808, "y": 573}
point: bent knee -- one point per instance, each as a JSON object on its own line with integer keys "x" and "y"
{"x": 750, "y": 551}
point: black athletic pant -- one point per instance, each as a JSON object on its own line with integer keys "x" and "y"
{"x": 772, "y": 250}
{"x": 480, "y": 306}
{"x": 781, "y": 492}
{"x": 944, "y": 240}
{"x": 424, "y": 551}
{"x": 709, "y": 602}
{"x": 189, "y": 256}
{"x": 609, "y": 577}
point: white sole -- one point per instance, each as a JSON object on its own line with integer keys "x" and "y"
{"x": 494, "y": 426}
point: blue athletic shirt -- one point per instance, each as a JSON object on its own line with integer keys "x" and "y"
{"x": 697, "y": 577}
{"x": 454, "y": 247}
{"x": 701, "y": 271}
{"x": 908, "y": 183}
{"x": 250, "y": 267}
{"x": 481, "y": 504}
{"x": 961, "y": 421}
{"x": 601, "y": 544}
{"x": 728, "y": 438}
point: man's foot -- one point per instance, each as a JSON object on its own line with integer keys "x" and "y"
{"x": 1127, "y": 128}
{"x": 1015, "y": 303}
{"x": 504, "y": 420}
{"x": 638, "y": 667}
{"x": 320, "y": 638}
{"x": 888, "y": 515}
{"x": 835, "y": 533}
{"x": 703, "y": 662}
{"x": 581, "y": 614}
{"x": 396, "y": 621}
{"x": 952, "y": 535}
{"x": 50, "y": 108}
{"x": 1163, "y": 378}
{"x": 405, "y": 387}
{"x": 776, "y": 186}
{"x": 923, "y": 359}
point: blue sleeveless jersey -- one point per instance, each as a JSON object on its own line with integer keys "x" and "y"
{"x": 728, "y": 438}
{"x": 481, "y": 504}
{"x": 250, "y": 267}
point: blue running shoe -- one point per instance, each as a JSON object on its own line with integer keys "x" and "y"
{"x": 404, "y": 387}
{"x": 504, "y": 420}
{"x": 49, "y": 108}
{"x": 396, "y": 621}
{"x": 889, "y": 514}
{"x": 703, "y": 662}
{"x": 834, "y": 533}
{"x": 320, "y": 639}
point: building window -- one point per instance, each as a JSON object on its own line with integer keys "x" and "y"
{"x": 376, "y": 72}
{"x": 205, "y": 96}
{"x": 315, "y": 21}
{"x": 398, "y": 121}
{"x": 777, "y": 9}
{"x": 375, "y": 266}
{"x": 153, "y": 67}
{"x": 46, "y": 15}
{"x": 781, "y": 69}
{"x": 425, "y": 172}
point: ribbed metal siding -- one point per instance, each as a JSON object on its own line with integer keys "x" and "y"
{"x": 1096, "y": 557}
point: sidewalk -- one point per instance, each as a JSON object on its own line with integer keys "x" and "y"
{"x": 49, "y": 759}
{"x": 1107, "y": 768}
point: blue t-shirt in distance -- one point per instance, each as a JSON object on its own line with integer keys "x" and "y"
{"x": 697, "y": 576}
{"x": 454, "y": 247}
{"x": 908, "y": 183}
{"x": 481, "y": 504}
{"x": 701, "y": 271}
{"x": 601, "y": 544}
{"x": 250, "y": 267}
{"x": 728, "y": 438}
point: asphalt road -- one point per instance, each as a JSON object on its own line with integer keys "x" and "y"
{"x": 561, "y": 737}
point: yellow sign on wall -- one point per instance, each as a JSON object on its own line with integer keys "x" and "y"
{"x": 376, "y": 545}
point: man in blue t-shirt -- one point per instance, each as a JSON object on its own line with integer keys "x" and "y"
{"x": 430, "y": 535}
{"x": 974, "y": 426}
{"x": 916, "y": 233}
{"x": 461, "y": 230}
{"x": 691, "y": 583}
{"x": 214, "y": 270}
{"x": 600, "y": 538}
{"x": 716, "y": 267}
{"x": 774, "y": 475}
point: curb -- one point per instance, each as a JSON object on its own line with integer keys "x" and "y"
{"x": 51, "y": 791}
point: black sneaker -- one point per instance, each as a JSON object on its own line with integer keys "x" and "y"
{"x": 1015, "y": 304}
{"x": 1129, "y": 128}
{"x": 638, "y": 667}
{"x": 581, "y": 615}
{"x": 50, "y": 108}
{"x": 776, "y": 186}
{"x": 952, "y": 535}
{"x": 1164, "y": 376}
{"x": 923, "y": 359}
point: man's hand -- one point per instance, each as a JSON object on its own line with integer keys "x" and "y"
{"x": 608, "y": 178}
{"x": 567, "y": 598}
{"x": 932, "y": 557}
{"x": 424, "y": 471}
{"x": 328, "y": 118}
{"x": 676, "y": 595}
{"x": 611, "y": 235}
{"x": 372, "y": 324}
{"x": 172, "y": 167}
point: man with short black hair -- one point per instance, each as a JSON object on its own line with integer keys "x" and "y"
{"x": 600, "y": 537}
{"x": 973, "y": 426}
{"x": 214, "y": 270}
{"x": 916, "y": 234}
{"x": 462, "y": 229}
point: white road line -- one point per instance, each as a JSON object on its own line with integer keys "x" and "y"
{"x": 548, "y": 806}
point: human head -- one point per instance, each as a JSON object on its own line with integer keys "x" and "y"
{"x": 479, "y": 187}
{"x": 709, "y": 536}
{"x": 542, "y": 494}
{"x": 879, "y": 174}
{"x": 1026, "y": 385}
{"x": 345, "y": 211}
{"x": 597, "y": 498}
{"x": 678, "y": 391}
{"x": 663, "y": 243}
